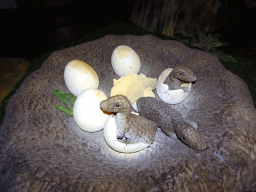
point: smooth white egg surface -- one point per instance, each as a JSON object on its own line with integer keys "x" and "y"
{"x": 79, "y": 76}
{"x": 87, "y": 112}
{"x": 170, "y": 96}
{"x": 125, "y": 61}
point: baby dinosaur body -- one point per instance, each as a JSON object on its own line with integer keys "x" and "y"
{"x": 178, "y": 76}
{"x": 170, "y": 121}
{"x": 131, "y": 128}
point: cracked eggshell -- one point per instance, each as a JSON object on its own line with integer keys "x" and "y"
{"x": 134, "y": 86}
{"x": 147, "y": 93}
{"x": 87, "y": 112}
{"x": 125, "y": 61}
{"x": 170, "y": 96}
{"x": 79, "y": 76}
{"x": 129, "y": 86}
{"x": 112, "y": 141}
{"x": 147, "y": 82}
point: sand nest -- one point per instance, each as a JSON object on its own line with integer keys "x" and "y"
{"x": 44, "y": 150}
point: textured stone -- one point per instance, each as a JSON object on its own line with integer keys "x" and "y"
{"x": 42, "y": 149}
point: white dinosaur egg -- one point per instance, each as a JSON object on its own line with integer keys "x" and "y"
{"x": 112, "y": 141}
{"x": 87, "y": 112}
{"x": 79, "y": 76}
{"x": 125, "y": 61}
{"x": 170, "y": 96}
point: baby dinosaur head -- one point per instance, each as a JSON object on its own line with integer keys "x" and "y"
{"x": 118, "y": 103}
{"x": 184, "y": 74}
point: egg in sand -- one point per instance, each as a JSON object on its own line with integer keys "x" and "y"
{"x": 80, "y": 76}
{"x": 87, "y": 112}
{"x": 125, "y": 61}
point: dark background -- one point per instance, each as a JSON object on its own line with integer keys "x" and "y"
{"x": 32, "y": 27}
{"x": 36, "y": 26}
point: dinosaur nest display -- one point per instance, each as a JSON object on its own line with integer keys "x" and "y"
{"x": 42, "y": 149}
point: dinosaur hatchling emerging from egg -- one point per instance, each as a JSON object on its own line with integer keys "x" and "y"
{"x": 178, "y": 76}
{"x": 174, "y": 85}
{"x": 130, "y": 128}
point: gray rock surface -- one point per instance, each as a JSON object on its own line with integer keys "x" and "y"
{"x": 42, "y": 149}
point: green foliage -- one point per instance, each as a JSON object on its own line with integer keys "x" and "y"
{"x": 213, "y": 41}
{"x": 207, "y": 44}
{"x": 69, "y": 112}
{"x": 223, "y": 56}
{"x": 66, "y": 98}
{"x": 200, "y": 32}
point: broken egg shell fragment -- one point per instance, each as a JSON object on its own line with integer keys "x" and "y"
{"x": 147, "y": 82}
{"x": 171, "y": 96}
{"x": 147, "y": 93}
{"x": 110, "y": 137}
{"x": 129, "y": 86}
{"x": 134, "y": 86}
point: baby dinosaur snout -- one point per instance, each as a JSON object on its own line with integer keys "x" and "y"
{"x": 104, "y": 105}
{"x": 187, "y": 134}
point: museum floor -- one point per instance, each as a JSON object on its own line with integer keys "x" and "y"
{"x": 23, "y": 39}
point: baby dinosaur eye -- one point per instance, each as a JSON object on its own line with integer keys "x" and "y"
{"x": 181, "y": 73}
{"x": 117, "y": 105}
